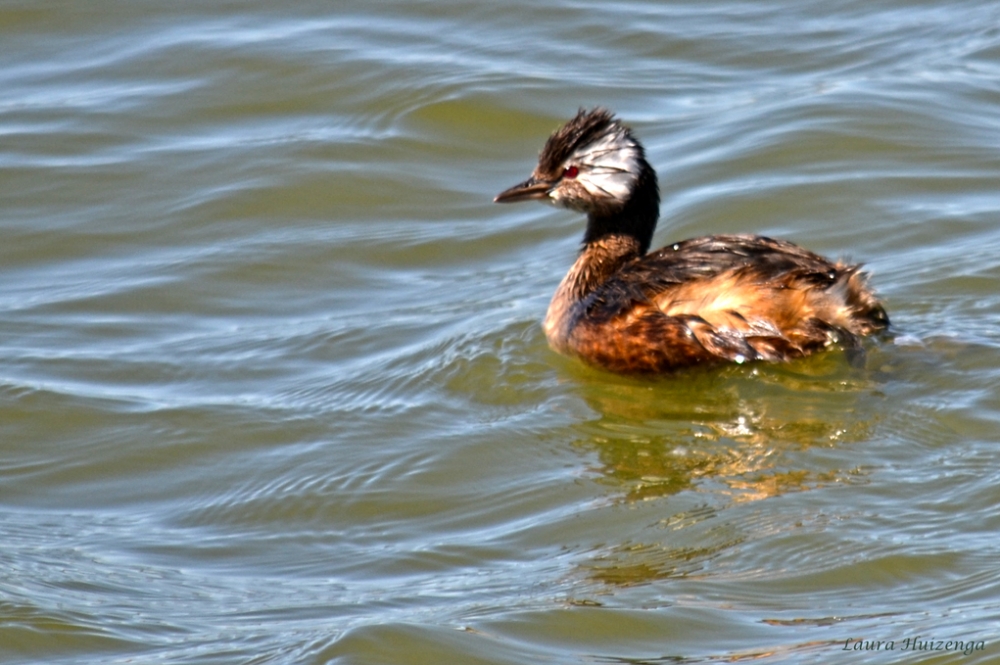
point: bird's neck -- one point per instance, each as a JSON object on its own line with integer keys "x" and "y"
{"x": 598, "y": 261}
{"x": 635, "y": 219}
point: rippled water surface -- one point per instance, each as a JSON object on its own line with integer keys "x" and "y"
{"x": 273, "y": 387}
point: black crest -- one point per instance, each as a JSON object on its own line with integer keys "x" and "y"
{"x": 584, "y": 128}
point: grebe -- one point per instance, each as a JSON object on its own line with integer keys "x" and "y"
{"x": 723, "y": 298}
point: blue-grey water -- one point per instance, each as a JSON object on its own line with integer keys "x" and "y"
{"x": 273, "y": 388}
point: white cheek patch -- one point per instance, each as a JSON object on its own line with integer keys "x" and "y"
{"x": 613, "y": 184}
{"x": 609, "y": 166}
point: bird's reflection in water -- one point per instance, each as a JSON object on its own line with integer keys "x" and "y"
{"x": 703, "y": 442}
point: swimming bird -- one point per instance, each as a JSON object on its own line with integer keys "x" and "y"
{"x": 710, "y": 300}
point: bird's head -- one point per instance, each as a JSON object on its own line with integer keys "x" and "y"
{"x": 592, "y": 164}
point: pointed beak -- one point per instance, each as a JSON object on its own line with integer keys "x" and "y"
{"x": 529, "y": 190}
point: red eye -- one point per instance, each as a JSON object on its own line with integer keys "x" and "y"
{"x": 571, "y": 172}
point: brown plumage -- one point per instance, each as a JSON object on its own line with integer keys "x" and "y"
{"x": 722, "y": 298}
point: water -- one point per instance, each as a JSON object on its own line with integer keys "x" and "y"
{"x": 273, "y": 387}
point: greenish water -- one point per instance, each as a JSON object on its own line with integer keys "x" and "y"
{"x": 273, "y": 387}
